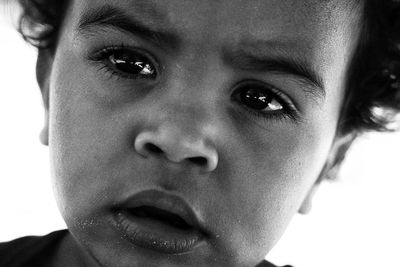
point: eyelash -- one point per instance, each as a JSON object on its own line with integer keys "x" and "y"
{"x": 288, "y": 111}
{"x": 103, "y": 55}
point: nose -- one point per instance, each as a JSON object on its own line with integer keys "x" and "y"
{"x": 172, "y": 144}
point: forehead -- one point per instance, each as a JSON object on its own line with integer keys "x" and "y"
{"x": 271, "y": 18}
{"x": 301, "y": 23}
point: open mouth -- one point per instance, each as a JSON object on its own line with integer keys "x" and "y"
{"x": 160, "y": 215}
{"x": 160, "y": 222}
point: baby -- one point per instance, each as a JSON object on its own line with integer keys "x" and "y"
{"x": 189, "y": 133}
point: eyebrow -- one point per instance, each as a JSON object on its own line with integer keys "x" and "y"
{"x": 280, "y": 63}
{"x": 113, "y": 17}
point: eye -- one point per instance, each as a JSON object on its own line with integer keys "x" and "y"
{"x": 131, "y": 62}
{"x": 265, "y": 101}
{"x": 260, "y": 100}
{"x": 127, "y": 62}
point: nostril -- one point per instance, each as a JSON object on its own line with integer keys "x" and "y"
{"x": 153, "y": 148}
{"x": 198, "y": 160}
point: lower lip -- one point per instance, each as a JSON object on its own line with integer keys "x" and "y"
{"x": 155, "y": 235}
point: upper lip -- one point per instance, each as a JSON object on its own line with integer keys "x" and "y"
{"x": 167, "y": 202}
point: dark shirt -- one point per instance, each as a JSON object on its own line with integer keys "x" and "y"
{"x": 37, "y": 251}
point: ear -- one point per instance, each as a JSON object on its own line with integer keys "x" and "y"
{"x": 43, "y": 71}
{"x": 338, "y": 151}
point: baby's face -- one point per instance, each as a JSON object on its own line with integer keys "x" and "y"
{"x": 190, "y": 132}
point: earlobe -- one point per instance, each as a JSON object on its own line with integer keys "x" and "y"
{"x": 44, "y": 134}
{"x": 331, "y": 168}
{"x": 43, "y": 71}
{"x": 306, "y": 206}
{"x": 337, "y": 155}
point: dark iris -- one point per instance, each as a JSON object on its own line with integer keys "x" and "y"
{"x": 132, "y": 63}
{"x": 256, "y": 98}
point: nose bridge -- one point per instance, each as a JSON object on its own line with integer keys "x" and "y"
{"x": 189, "y": 101}
{"x": 198, "y": 67}
{"x": 187, "y": 116}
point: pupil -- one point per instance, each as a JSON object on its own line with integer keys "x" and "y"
{"x": 256, "y": 99}
{"x": 131, "y": 63}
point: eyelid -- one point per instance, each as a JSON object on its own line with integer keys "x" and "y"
{"x": 288, "y": 101}
{"x": 289, "y": 111}
{"x": 101, "y": 54}
{"x": 107, "y": 49}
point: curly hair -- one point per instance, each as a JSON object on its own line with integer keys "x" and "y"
{"x": 40, "y": 21}
{"x": 372, "y": 98}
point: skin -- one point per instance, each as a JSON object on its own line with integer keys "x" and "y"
{"x": 258, "y": 171}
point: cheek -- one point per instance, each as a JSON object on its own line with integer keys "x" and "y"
{"x": 272, "y": 177}
{"x": 86, "y": 147}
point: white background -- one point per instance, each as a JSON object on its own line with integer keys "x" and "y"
{"x": 354, "y": 222}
